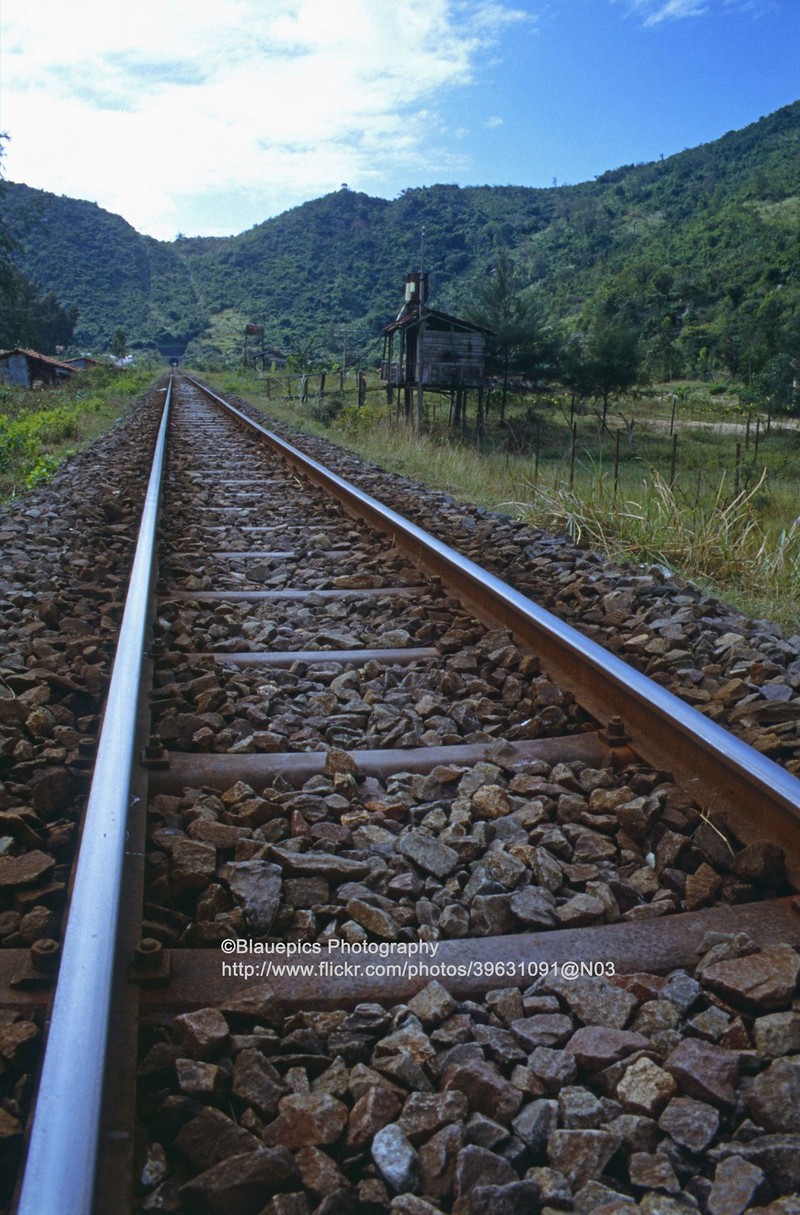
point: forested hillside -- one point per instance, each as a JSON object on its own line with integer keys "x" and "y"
{"x": 97, "y": 263}
{"x": 699, "y": 252}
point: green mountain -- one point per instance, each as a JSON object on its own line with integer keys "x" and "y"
{"x": 700, "y": 252}
{"x": 96, "y": 262}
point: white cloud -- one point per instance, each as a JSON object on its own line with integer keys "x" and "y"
{"x": 671, "y": 9}
{"x": 150, "y": 109}
{"x": 656, "y": 11}
{"x": 494, "y": 121}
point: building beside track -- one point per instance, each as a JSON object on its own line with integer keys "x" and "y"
{"x": 84, "y": 360}
{"x": 427, "y": 350}
{"x": 29, "y": 369}
{"x": 429, "y": 347}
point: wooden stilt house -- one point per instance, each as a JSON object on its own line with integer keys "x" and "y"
{"x": 425, "y": 349}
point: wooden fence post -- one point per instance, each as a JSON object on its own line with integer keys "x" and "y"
{"x": 537, "y": 442}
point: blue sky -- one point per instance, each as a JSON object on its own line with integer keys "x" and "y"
{"x": 598, "y": 87}
{"x": 197, "y": 117}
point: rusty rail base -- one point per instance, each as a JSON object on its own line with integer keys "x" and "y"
{"x": 256, "y": 596}
{"x": 219, "y": 771}
{"x": 194, "y": 978}
{"x": 347, "y": 658}
{"x": 337, "y": 978}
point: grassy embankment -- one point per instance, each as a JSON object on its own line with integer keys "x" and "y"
{"x": 727, "y": 519}
{"x": 40, "y": 428}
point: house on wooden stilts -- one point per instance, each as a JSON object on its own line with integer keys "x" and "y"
{"x": 426, "y": 350}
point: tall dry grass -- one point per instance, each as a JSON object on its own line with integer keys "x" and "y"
{"x": 717, "y": 540}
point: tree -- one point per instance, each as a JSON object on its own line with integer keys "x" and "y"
{"x": 10, "y": 278}
{"x": 27, "y": 317}
{"x": 119, "y": 343}
{"x": 518, "y": 342}
{"x": 612, "y": 361}
{"x": 305, "y": 356}
{"x": 667, "y": 333}
{"x": 573, "y": 368}
{"x": 774, "y": 386}
{"x": 8, "y": 246}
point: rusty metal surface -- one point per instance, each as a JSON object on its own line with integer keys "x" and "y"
{"x": 286, "y": 555}
{"x": 758, "y": 798}
{"x": 246, "y": 554}
{"x": 350, "y": 658}
{"x": 220, "y": 771}
{"x": 282, "y": 527}
{"x": 266, "y": 596}
{"x": 18, "y": 997}
{"x": 468, "y": 968}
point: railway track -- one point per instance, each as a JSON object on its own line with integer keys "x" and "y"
{"x": 435, "y": 905}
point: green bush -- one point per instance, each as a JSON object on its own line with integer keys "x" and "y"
{"x": 329, "y": 409}
{"x": 38, "y": 430}
{"x": 43, "y": 470}
{"x": 361, "y": 419}
{"x": 17, "y": 442}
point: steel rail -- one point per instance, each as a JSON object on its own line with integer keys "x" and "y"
{"x": 62, "y": 1154}
{"x": 758, "y": 798}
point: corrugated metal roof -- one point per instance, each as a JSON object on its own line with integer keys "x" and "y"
{"x": 34, "y": 354}
{"x": 413, "y": 317}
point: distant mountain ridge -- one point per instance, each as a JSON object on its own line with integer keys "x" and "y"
{"x": 702, "y": 249}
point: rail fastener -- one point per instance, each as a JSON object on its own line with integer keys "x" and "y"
{"x": 38, "y": 967}
{"x": 615, "y": 734}
{"x": 151, "y": 963}
{"x": 155, "y": 754}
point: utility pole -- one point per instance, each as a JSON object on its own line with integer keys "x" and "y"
{"x": 420, "y": 332}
